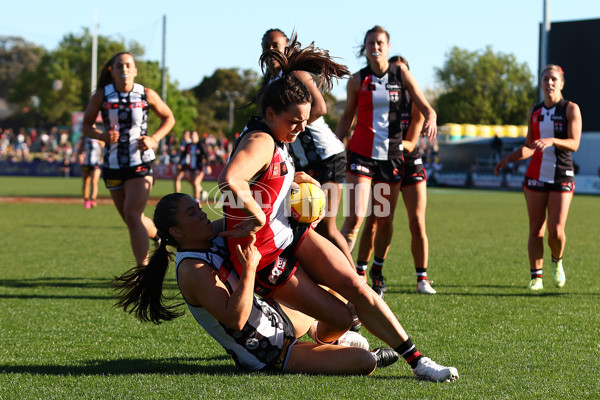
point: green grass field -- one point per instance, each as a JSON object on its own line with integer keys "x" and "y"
{"x": 62, "y": 339}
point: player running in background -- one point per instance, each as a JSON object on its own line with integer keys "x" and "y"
{"x": 128, "y": 154}
{"x": 181, "y": 164}
{"x": 196, "y": 162}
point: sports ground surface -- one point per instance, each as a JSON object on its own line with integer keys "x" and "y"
{"x": 62, "y": 339}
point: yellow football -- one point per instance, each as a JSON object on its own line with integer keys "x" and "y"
{"x": 307, "y": 202}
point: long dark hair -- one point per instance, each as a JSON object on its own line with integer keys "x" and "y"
{"x": 295, "y": 58}
{"x": 140, "y": 288}
{"x": 104, "y": 78}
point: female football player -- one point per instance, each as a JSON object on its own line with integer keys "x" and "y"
{"x": 257, "y": 334}
{"x": 554, "y": 131}
{"x": 128, "y": 154}
{"x": 255, "y": 184}
{"x": 375, "y": 151}
{"x": 414, "y": 194}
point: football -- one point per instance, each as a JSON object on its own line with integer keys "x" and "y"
{"x": 307, "y": 202}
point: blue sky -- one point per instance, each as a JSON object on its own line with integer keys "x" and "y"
{"x": 205, "y": 35}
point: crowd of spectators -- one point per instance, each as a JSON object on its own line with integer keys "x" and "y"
{"x": 35, "y": 145}
{"x": 217, "y": 148}
{"x": 58, "y": 145}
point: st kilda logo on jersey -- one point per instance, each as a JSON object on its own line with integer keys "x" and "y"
{"x": 394, "y": 90}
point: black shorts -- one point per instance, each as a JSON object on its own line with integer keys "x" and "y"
{"x": 539, "y": 186}
{"x": 89, "y": 168}
{"x": 115, "y": 178}
{"x": 331, "y": 169}
{"x": 413, "y": 171}
{"x": 198, "y": 168}
{"x": 283, "y": 268}
{"x": 388, "y": 171}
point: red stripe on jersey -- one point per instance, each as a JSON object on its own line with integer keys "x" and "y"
{"x": 265, "y": 192}
{"x": 535, "y": 165}
{"x": 364, "y": 135}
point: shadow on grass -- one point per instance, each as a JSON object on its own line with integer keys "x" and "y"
{"x": 67, "y": 283}
{"x": 220, "y": 365}
{"x": 495, "y": 291}
{"x": 130, "y": 366}
{"x": 70, "y": 282}
{"x": 71, "y": 226}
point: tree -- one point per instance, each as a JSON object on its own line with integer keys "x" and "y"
{"x": 17, "y": 56}
{"x": 213, "y": 95}
{"x": 482, "y": 87}
{"x": 60, "y": 81}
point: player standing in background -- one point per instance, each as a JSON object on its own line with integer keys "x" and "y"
{"x": 90, "y": 159}
{"x": 414, "y": 195}
{"x": 375, "y": 151}
{"x": 196, "y": 160}
{"x": 181, "y": 164}
{"x": 128, "y": 154}
{"x": 554, "y": 131}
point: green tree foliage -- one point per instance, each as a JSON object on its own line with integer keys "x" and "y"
{"x": 213, "y": 95}
{"x": 17, "y": 56}
{"x": 484, "y": 87}
{"x": 60, "y": 80}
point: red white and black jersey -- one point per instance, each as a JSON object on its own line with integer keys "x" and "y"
{"x": 414, "y": 157}
{"x": 129, "y": 113}
{"x": 270, "y": 190}
{"x": 266, "y": 340}
{"x": 552, "y": 165}
{"x": 378, "y": 130}
{"x": 92, "y": 152}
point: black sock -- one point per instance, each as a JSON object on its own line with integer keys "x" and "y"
{"x": 361, "y": 267}
{"x": 536, "y": 273}
{"x": 377, "y": 265}
{"x": 410, "y": 353}
{"x": 421, "y": 274}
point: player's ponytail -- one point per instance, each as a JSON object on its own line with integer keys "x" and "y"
{"x": 311, "y": 59}
{"x": 140, "y": 288}
{"x": 287, "y": 89}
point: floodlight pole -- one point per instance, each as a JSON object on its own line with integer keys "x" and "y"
{"x": 164, "y": 58}
{"x": 94, "y": 53}
{"x": 544, "y": 45}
